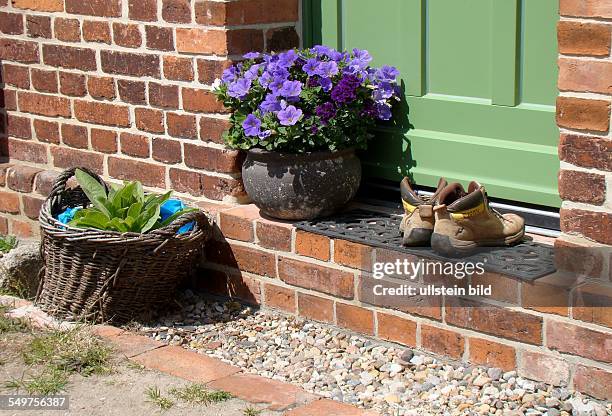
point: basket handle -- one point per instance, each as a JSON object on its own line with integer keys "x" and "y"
{"x": 59, "y": 186}
{"x": 198, "y": 217}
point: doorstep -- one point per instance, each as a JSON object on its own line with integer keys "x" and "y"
{"x": 188, "y": 365}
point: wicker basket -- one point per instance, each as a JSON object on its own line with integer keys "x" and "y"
{"x": 107, "y": 276}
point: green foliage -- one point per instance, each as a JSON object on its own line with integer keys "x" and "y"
{"x": 125, "y": 208}
{"x": 156, "y": 397}
{"x": 197, "y": 394}
{"x": 7, "y": 243}
{"x": 251, "y": 411}
{"x": 8, "y": 324}
{"x": 50, "y": 381}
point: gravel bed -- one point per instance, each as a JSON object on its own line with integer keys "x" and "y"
{"x": 357, "y": 370}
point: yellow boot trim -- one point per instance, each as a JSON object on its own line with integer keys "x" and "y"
{"x": 468, "y": 213}
{"x": 408, "y": 208}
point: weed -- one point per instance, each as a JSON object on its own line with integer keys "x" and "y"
{"x": 197, "y": 393}
{"x": 135, "y": 366}
{"x": 7, "y": 243}
{"x": 156, "y": 397}
{"x": 50, "y": 381}
{"x": 251, "y": 411}
{"x": 8, "y": 324}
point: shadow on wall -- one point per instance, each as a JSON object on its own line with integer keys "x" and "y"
{"x": 4, "y": 151}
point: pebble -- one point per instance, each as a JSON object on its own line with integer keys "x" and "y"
{"x": 390, "y": 380}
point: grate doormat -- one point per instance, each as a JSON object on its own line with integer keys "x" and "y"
{"x": 526, "y": 261}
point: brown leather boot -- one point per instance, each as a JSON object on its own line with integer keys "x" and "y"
{"x": 465, "y": 221}
{"x": 418, "y": 221}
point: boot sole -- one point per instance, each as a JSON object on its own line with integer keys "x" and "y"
{"x": 418, "y": 237}
{"x": 451, "y": 247}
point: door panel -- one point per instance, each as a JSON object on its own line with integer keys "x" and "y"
{"x": 480, "y": 84}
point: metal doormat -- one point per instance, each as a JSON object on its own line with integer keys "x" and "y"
{"x": 526, "y": 261}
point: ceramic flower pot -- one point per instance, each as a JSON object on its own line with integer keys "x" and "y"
{"x": 301, "y": 186}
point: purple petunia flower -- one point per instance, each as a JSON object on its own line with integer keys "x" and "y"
{"x": 270, "y": 104}
{"x": 229, "y": 75}
{"x": 344, "y": 91}
{"x": 291, "y": 89}
{"x": 276, "y": 85}
{"x": 265, "y": 79}
{"x": 369, "y": 110}
{"x": 239, "y": 89}
{"x": 310, "y": 67}
{"x": 251, "y": 55}
{"x": 251, "y": 125}
{"x": 384, "y": 111}
{"x": 289, "y": 116}
{"x": 361, "y": 58}
{"x": 384, "y": 91}
{"x": 286, "y": 59}
{"x": 387, "y": 74}
{"x": 321, "y": 50}
{"x": 326, "y": 84}
{"x": 326, "y": 112}
{"x": 265, "y": 134}
{"x": 327, "y": 69}
{"x": 253, "y": 72}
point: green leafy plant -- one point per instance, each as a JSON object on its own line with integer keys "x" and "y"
{"x": 7, "y": 243}
{"x": 197, "y": 393}
{"x": 125, "y": 208}
{"x": 155, "y": 396}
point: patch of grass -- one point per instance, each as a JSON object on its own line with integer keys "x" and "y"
{"x": 7, "y": 243}
{"x": 155, "y": 396}
{"x": 73, "y": 351}
{"x": 251, "y": 411}
{"x": 8, "y": 324}
{"x": 16, "y": 289}
{"x": 50, "y": 381}
{"x": 197, "y": 394}
{"x": 135, "y": 366}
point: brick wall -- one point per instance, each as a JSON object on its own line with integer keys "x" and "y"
{"x": 583, "y": 115}
{"x": 124, "y": 87}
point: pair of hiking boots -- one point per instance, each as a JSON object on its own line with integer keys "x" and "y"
{"x": 456, "y": 222}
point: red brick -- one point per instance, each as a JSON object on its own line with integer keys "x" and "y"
{"x": 44, "y": 181}
{"x": 395, "y": 329}
{"x": 101, "y": 88}
{"x": 4, "y": 167}
{"x": 578, "y": 257}
{"x": 125, "y": 63}
{"x": 442, "y": 342}
{"x": 312, "y": 276}
{"x": 127, "y": 35}
{"x": 126, "y": 344}
{"x": 19, "y": 51}
{"x": 160, "y": 38}
{"x": 545, "y": 298}
{"x": 213, "y": 159}
{"x": 75, "y": 136}
{"x": 492, "y": 354}
{"x": 281, "y": 39}
{"x": 9, "y": 100}
{"x": 593, "y": 381}
{"x": 275, "y": 394}
{"x": 17, "y": 76}
{"x": 314, "y": 307}
{"x": 4, "y": 227}
{"x": 47, "y": 131}
{"x": 237, "y": 223}
{"x": 150, "y": 120}
{"x": 573, "y": 339}
{"x": 73, "y": 84}
{"x": 327, "y": 407}
{"x": 102, "y": 8}
{"x": 585, "y": 8}
{"x": 19, "y": 127}
{"x": 40, "y": 5}
{"x": 39, "y": 26}
{"x": 65, "y": 158}
{"x": 166, "y": 151}
{"x": 542, "y": 367}
{"x": 494, "y": 320}
{"x": 21, "y": 178}
{"x": 218, "y": 188}
{"x": 187, "y": 181}
{"x": 246, "y": 12}
{"x": 280, "y": 298}
{"x": 135, "y": 145}
{"x": 503, "y": 288}
{"x": 165, "y": 96}
{"x": 27, "y": 151}
{"x": 96, "y": 31}
{"x": 276, "y": 236}
{"x": 44, "y": 81}
{"x": 132, "y": 92}
{"x": 210, "y": 70}
{"x": 358, "y": 256}
{"x": 590, "y": 303}
{"x": 9, "y": 202}
{"x": 176, "y": 11}
{"x": 201, "y": 41}
{"x": 188, "y": 365}
{"x": 145, "y": 10}
{"x": 212, "y": 129}
{"x": 593, "y": 225}
{"x": 46, "y": 105}
{"x": 31, "y": 206}
{"x": 101, "y": 113}
{"x": 178, "y": 69}
{"x": 104, "y": 140}
{"x": 583, "y": 114}
{"x": 68, "y": 30}
{"x": 147, "y": 173}
{"x": 355, "y": 318}
{"x": 312, "y": 245}
{"x": 586, "y": 151}
{"x": 241, "y": 41}
{"x": 22, "y": 229}
{"x": 578, "y": 38}
{"x": 201, "y": 101}
{"x": 585, "y": 76}
{"x": 11, "y": 23}
{"x": 181, "y": 125}
{"x": 69, "y": 57}
{"x": 582, "y": 187}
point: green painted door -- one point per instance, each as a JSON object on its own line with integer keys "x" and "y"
{"x": 480, "y": 80}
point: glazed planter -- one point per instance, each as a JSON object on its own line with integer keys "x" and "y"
{"x": 301, "y": 186}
